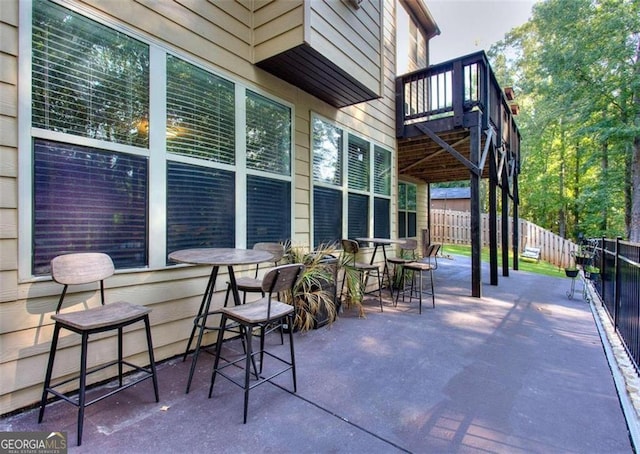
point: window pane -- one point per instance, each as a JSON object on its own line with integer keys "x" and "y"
{"x": 327, "y": 153}
{"x": 268, "y": 210}
{"x": 327, "y": 216}
{"x": 200, "y": 207}
{"x": 412, "y": 226}
{"x": 382, "y": 171}
{"x": 88, "y": 200}
{"x": 381, "y": 221}
{"x": 88, "y": 80}
{"x": 402, "y": 196}
{"x": 268, "y": 135}
{"x": 412, "y": 200}
{"x": 402, "y": 224}
{"x": 358, "y": 165}
{"x": 200, "y": 113}
{"x": 358, "y": 216}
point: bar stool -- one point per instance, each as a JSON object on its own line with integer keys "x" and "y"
{"x": 264, "y": 312}
{"x": 85, "y": 268}
{"x": 407, "y": 255}
{"x": 351, "y": 248}
{"x": 417, "y": 268}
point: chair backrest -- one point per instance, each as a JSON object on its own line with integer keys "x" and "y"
{"x": 281, "y": 278}
{"x": 433, "y": 250}
{"x": 276, "y": 249}
{"x": 81, "y": 268}
{"x": 350, "y": 246}
{"x": 410, "y": 245}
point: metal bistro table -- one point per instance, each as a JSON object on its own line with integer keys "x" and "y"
{"x": 381, "y": 242}
{"x": 215, "y": 257}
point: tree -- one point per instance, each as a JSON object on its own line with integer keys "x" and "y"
{"x": 578, "y": 61}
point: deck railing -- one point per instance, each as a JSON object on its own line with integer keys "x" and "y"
{"x": 618, "y": 285}
{"x": 449, "y": 90}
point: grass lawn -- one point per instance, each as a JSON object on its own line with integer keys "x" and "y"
{"x": 541, "y": 267}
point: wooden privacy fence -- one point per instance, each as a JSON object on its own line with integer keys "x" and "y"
{"x": 454, "y": 227}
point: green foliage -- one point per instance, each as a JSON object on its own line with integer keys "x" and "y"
{"x": 311, "y": 294}
{"x": 575, "y": 69}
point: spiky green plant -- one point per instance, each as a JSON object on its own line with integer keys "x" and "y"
{"x": 353, "y": 282}
{"x": 310, "y": 295}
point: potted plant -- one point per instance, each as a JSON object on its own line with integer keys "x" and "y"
{"x": 591, "y": 272}
{"x": 314, "y": 295}
{"x": 582, "y": 255}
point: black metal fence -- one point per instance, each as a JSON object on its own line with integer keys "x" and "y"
{"x": 618, "y": 284}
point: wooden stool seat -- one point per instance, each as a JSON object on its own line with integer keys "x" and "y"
{"x": 102, "y": 317}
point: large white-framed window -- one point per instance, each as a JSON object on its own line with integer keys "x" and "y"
{"x": 351, "y": 184}
{"x": 115, "y": 160}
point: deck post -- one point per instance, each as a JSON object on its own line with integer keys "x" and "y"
{"x": 476, "y": 224}
{"x": 505, "y": 223}
{"x": 516, "y": 223}
{"x": 493, "y": 217}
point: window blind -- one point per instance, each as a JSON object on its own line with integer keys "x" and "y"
{"x": 268, "y": 135}
{"x": 200, "y": 207}
{"x": 88, "y": 200}
{"x": 358, "y": 209}
{"x": 358, "y": 163}
{"x": 381, "y": 218}
{"x": 268, "y": 210}
{"x": 88, "y": 80}
{"x": 327, "y": 216}
{"x": 200, "y": 113}
{"x": 327, "y": 153}
{"x": 382, "y": 171}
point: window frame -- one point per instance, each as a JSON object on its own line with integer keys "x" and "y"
{"x": 156, "y": 153}
{"x": 405, "y": 211}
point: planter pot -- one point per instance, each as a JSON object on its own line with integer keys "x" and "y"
{"x": 591, "y": 275}
{"x": 571, "y": 273}
{"x": 582, "y": 259}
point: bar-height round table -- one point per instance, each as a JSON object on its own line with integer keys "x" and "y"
{"x": 215, "y": 257}
{"x": 381, "y": 242}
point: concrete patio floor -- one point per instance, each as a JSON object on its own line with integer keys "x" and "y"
{"x": 522, "y": 370}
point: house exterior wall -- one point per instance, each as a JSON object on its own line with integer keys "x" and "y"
{"x": 217, "y": 35}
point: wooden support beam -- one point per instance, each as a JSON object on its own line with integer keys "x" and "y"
{"x": 516, "y": 222}
{"x": 505, "y": 231}
{"x": 431, "y": 156}
{"x": 487, "y": 147}
{"x": 452, "y": 151}
{"x": 493, "y": 220}
{"x": 476, "y": 224}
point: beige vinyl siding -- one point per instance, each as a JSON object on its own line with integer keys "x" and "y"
{"x": 218, "y": 36}
{"x": 351, "y": 38}
{"x": 277, "y": 26}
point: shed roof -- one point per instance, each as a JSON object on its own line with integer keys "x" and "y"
{"x": 450, "y": 193}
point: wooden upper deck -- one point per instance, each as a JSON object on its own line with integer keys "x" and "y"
{"x": 436, "y": 109}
